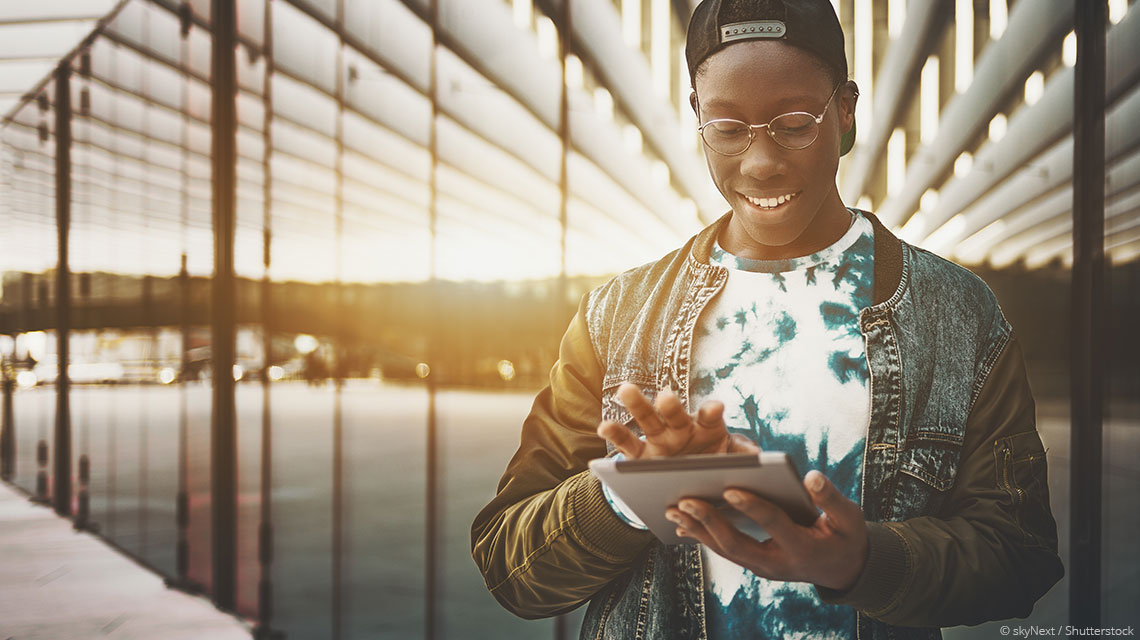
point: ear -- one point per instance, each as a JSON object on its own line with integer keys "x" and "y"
{"x": 848, "y": 97}
{"x": 694, "y": 105}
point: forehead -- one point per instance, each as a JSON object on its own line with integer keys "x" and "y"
{"x": 757, "y": 73}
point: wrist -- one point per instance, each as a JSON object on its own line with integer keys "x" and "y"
{"x": 850, "y": 577}
{"x": 884, "y": 573}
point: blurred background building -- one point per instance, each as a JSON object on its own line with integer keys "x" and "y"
{"x": 301, "y": 329}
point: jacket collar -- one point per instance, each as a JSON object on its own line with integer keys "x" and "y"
{"x": 888, "y": 253}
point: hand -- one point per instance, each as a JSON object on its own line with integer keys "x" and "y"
{"x": 669, "y": 430}
{"x": 830, "y": 553}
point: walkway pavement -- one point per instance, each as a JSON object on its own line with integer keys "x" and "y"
{"x": 58, "y": 584}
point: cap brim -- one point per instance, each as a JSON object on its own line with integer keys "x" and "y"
{"x": 848, "y": 140}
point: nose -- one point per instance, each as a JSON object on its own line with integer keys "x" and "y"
{"x": 763, "y": 159}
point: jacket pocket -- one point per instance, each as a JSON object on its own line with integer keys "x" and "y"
{"x": 1023, "y": 475}
{"x": 928, "y": 466}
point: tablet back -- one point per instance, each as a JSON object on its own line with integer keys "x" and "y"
{"x": 648, "y": 486}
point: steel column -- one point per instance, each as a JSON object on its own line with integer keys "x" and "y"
{"x": 223, "y": 440}
{"x": 432, "y": 551}
{"x": 562, "y": 623}
{"x": 182, "y": 501}
{"x": 338, "y": 546}
{"x": 264, "y": 629}
{"x": 61, "y": 468}
{"x": 7, "y": 424}
{"x": 1088, "y": 316}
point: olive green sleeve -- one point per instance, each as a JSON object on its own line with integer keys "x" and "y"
{"x": 993, "y": 551}
{"x": 549, "y": 540}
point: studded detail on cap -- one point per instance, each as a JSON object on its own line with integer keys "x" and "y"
{"x": 752, "y": 30}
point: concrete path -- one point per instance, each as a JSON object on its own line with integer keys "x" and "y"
{"x": 57, "y": 584}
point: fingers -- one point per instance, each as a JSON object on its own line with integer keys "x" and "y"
{"x": 711, "y": 415}
{"x": 712, "y": 528}
{"x": 670, "y": 408}
{"x": 687, "y": 525}
{"x": 640, "y": 408}
{"x": 841, "y": 511}
{"x": 622, "y": 438}
{"x": 773, "y": 519}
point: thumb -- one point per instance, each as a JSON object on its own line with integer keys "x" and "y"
{"x": 827, "y": 497}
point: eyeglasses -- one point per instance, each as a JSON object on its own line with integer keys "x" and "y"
{"x": 796, "y": 130}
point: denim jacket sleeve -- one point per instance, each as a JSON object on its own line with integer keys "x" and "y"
{"x": 992, "y": 552}
{"x": 549, "y": 540}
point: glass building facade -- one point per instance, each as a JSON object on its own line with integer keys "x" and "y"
{"x": 421, "y": 192}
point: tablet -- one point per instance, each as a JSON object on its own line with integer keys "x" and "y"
{"x": 650, "y": 485}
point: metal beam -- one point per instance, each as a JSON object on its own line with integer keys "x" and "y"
{"x": 1027, "y": 226}
{"x": 338, "y": 518}
{"x": 61, "y": 451}
{"x": 1035, "y": 29}
{"x": 597, "y": 26}
{"x": 264, "y": 626}
{"x": 1122, "y": 212}
{"x": 1048, "y": 171}
{"x": 893, "y": 87}
{"x": 1034, "y": 127}
{"x": 565, "y": 30}
{"x": 223, "y": 433}
{"x": 1121, "y": 226}
{"x": 433, "y": 548}
{"x": 1087, "y": 324}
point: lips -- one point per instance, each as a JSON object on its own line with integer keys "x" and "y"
{"x": 772, "y": 202}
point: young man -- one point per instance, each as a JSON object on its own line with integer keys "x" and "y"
{"x": 796, "y": 325}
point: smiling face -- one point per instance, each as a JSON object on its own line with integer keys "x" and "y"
{"x": 785, "y": 203}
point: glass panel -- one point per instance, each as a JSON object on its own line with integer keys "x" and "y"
{"x": 1121, "y": 445}
{"x": 314, "y": 63}
{"x": 251, "y": 20}
{"x": 302, "y": 498}
{"x": 198, "y": 401}
{"x": 384, "y": 470}
{"x": 250, "y": 399}
{"x": 478, "y": 434}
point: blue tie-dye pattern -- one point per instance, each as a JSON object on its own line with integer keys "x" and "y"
{"x": 760, "y": 608}
{"x": 847, "y": 368}
{"x": 786, "y": 328}
{"x": 837, "y": 315}
{"x": 779, "y": 278}
{"x": 792, "y": 614}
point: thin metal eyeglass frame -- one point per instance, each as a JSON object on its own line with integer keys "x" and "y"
{"x": 768, "y": 125}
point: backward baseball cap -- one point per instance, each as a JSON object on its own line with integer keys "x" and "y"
{"x": 810, "y": 25}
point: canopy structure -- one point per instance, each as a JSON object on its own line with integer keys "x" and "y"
{"x": 969, "y": 156}
{"x": 35, "y": 36}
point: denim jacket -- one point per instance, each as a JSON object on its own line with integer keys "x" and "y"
{"x": 954, "y": 475}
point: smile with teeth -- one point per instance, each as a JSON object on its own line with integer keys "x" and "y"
{"x": 770, "y": 203}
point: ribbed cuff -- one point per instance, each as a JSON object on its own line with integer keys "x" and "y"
{"x": 883, "y": 578}
{"x": 597, "y": 526}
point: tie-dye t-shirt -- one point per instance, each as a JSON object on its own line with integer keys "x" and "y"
{"x": 780, "y": 346}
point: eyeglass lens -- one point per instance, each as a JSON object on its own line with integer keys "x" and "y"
{"x": 732, "y": 137}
